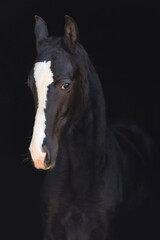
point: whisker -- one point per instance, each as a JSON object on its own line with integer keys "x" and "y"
{"x": 27, "y": 161}
{"x": 26, "y": 158}
{"x": 29, "y": 137}
{"x": 25, "y": 154}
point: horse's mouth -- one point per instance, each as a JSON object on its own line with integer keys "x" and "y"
{"x": 44, "y": 162}
{"x": 43, "y": 158}
{"x": 44, "y": 165}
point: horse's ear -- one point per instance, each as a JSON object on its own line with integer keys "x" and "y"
{"x": 41, "y": 31}
{"x": 71, "y": 33}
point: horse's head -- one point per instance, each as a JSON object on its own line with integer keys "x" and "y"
{"x": 56, "y": 82}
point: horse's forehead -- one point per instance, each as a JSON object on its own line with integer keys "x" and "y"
{"x": 62, "y": 67}
{"x": 61, "y": 64}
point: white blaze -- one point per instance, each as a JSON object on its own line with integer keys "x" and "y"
{"x": 43, "y": 78}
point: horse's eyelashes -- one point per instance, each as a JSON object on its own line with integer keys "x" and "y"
{"x": 65, "y": 86}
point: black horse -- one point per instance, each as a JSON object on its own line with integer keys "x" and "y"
{"x": 95, "y": 168}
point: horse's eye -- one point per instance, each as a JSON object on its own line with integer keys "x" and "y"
{"x": 65, "y": 86}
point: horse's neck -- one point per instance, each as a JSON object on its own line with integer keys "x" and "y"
{"x": 87, "y": 142}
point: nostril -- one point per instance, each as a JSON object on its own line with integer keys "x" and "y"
{"x": 47, "y": 160}
{"x": 44, "y": 148}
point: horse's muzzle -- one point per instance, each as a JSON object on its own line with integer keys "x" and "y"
{"x": 41, "y": 159}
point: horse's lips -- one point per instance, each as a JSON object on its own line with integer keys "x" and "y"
{"x": 38, "y": 157}
{"x": 39, "y": 164}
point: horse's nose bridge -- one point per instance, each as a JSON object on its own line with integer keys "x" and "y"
{"x": 51, "y": 117}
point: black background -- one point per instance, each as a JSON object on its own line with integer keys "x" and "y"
{"x": 123, "y": 41}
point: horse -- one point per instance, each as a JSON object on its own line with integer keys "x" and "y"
{"x": 94, "y": 165}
